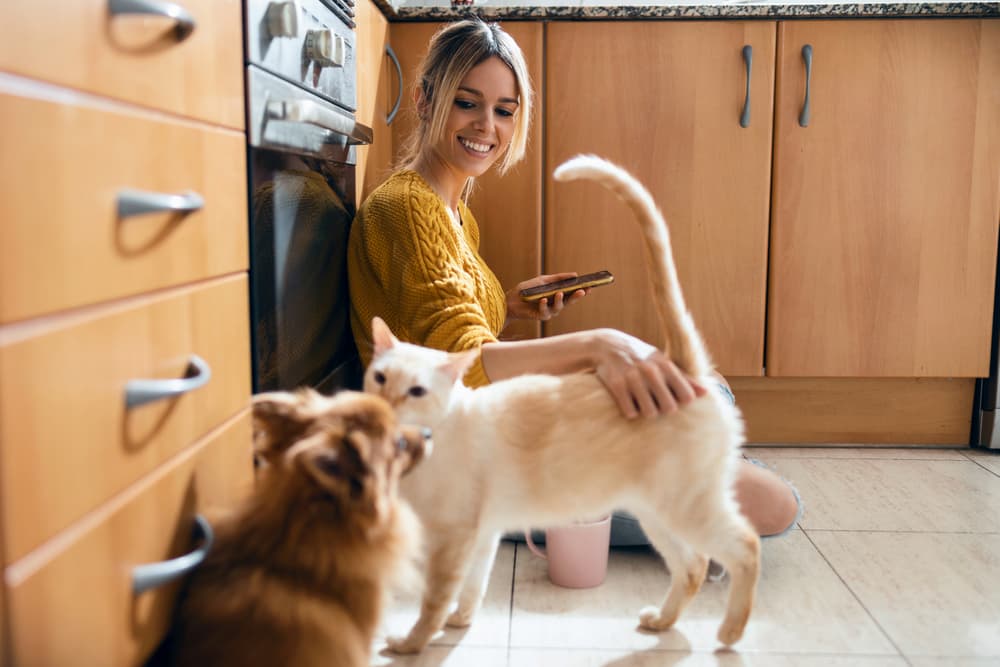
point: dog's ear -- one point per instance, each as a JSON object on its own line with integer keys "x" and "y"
{"x": 280, "y": 418}
{"x": 340, "y": 469}
{"x": 382, "y": 336}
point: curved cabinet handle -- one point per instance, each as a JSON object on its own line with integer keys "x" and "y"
{"x": 140, "y": 392}
{"x": 139, "y": 202}
{"x": 151, "y": 575}
{"x": 399, "y": 78}
{"x": 183, "y": 19}
{"x": 807, "y": 57}
{"x": 748, "y": 61}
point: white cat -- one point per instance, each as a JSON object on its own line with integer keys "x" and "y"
{"x": 544, "y": 450}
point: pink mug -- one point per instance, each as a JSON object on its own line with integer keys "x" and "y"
{"x": 577, "y": 553}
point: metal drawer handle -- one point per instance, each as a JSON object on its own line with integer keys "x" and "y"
{"x": 185, "y": 22}
{"x": 151, "y": 575}
{"x": 307, "y": 111}
{"x": 399, "y": 79}
{"x": 140, "y": 392}
{"x": 807, "y": 56}
{"x": 138, "y": 202}
{"x": 748, "y": 60}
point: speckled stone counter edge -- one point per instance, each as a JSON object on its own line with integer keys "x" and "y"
{"x": 734, "y": 10}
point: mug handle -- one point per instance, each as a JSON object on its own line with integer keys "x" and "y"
{"x": 531, "y": 545}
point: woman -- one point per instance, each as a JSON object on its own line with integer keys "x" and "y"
{"x": 413, "y": 256}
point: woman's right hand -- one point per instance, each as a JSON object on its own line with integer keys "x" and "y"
{"x": 641, "y": 379}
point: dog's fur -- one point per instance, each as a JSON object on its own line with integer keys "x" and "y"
{"x": 298, "y": 574}
{"x": 544, "y": 450}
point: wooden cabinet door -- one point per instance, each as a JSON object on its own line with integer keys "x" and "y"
{"x": 508, "y": 208}
{"x": 377, "y": 85}
{"x": 885, "y": 207}
{"x": 664, "y": 100}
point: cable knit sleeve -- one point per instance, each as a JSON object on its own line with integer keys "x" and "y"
{"x": 410, "y": 264}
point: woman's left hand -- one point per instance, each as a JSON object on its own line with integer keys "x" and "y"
{"x": 543, "y": 309}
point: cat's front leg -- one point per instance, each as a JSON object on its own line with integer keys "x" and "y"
{"x": 446, "y": 568}
{"x": 476, "y": 581}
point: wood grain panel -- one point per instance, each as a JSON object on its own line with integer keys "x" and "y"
{"x": 377, "y": 83}
{"x": 133, "y": 58}
{"x": 72, "y": 604}
{"x": 885, "y": 208}
{"x": 62, "y": 243}
{"x": 667, "y": 108}
{"x": 856, "y": 411}
{"x": 68, "y": 441}
{"x": 508, "y": 208}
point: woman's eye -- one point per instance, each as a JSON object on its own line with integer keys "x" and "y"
{"x": 464, "y": 104}
{"x": 379, "y": 377}
{"x": 417, "y": 392}
{"x": 506, "y": 113}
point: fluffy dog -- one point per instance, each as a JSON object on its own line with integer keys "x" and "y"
{"x": 298, "y": 574}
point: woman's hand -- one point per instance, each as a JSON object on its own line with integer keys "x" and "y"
{"x": 543, "y": 309}
{"x": 641, "y": 379}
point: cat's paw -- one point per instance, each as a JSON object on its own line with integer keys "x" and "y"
{"x": 650, "y": 618}
{"x": 404, "y": 645}
{"x": 460, "y": 618}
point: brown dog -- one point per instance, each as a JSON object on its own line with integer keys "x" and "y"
{"x": 298, "y": 574}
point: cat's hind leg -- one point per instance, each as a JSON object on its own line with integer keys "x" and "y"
{"x": 447, "y": 563}
{"x": 725, "y": 534}
{"x": 476, "y": 581}
{"x": 687, "y": 572}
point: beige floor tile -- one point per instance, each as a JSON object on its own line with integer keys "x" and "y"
{"x": 989, "y": 460}
{"x": 655, "y": 658}
{"x": 802, "y": 606}
{"x": 491, "y": 625}
{"x": 950, "y": 661}
{"x": 895, "y": 495}
{"x": 933, "y": 594}
{"x": 445, "y": 656}
{"x": 768, "y": 453}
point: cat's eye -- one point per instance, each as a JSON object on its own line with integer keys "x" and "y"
{"x": 417, "y": 392}
{"x": 379, "y": 377}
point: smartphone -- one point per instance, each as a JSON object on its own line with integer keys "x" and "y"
{"x": 567, "y": 286}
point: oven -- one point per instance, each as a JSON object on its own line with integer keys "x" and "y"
{"x": 301, "y": 136}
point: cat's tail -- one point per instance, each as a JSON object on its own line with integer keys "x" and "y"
{"x": 684, "y": 345}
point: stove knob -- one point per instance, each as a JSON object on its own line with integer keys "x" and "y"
{"x": 283, "y": 19}
{"x": 325, "y": 48}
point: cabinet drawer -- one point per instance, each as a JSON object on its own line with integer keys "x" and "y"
{"x": 135, "y": 58}
{"x": 67, "y": 439}
{"x": 62, "y": 243}
{"x": 73, "y": 604}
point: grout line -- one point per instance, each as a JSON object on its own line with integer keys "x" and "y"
{"x": 855, "y": 595}
{"x": 977, "y": 462}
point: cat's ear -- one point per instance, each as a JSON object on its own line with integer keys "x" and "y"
{"x": 459, "y": 362}
{"x": 280, "y": 418}
{"x": 382, "y": 336}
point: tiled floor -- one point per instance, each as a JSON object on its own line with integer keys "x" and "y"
{"x": 896, "y": 562}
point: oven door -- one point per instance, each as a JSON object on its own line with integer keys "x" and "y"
{"x": 302, "y": 180}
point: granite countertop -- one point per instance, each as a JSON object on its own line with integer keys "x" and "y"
{"x": 438, "y": 10}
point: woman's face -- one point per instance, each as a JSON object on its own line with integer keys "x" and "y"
{"x": 481, "y": 119}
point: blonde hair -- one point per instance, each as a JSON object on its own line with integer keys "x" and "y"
{"x": 454, "y": 50}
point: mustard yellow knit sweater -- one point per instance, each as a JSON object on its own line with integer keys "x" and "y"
{"x": 408, "y": 263}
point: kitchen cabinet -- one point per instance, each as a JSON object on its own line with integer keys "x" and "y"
{"x": 508, "y": 208}
{"x": 377, "y": 90}
{"x": 885, "y": 206}
{"x": 667, "y": 107}
{"x": 123, "y": 269}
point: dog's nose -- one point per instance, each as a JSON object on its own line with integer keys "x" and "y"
{"x": 425, "y": 433}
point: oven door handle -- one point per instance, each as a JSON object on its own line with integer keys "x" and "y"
{"x": 307, "y": 111}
